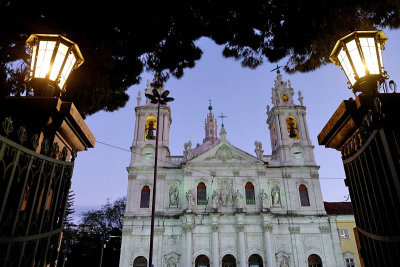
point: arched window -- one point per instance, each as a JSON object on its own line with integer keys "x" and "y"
{"x": 228, "y": 261}
{"x": 145, "y": 197}
{"x": 249, "y": 191}
{"x": 291, "y": 125}
{"x": 314, "y": 261}
{"x": 140, "y": 262}
{"x": 150, "y": 130}
{"x": 255, "y": 260}
{"x": 303, "y": 192}
{"x": 201, "y": 194}
{"x": 202, "y": 261}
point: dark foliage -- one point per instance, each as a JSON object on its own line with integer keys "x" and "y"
{"x": 119, "y": 41}
{"x": 83, "y": 246}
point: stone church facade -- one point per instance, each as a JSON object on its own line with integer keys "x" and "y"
{"x": 220, "y": 206}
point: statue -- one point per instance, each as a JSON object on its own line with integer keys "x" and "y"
{"x": 190, "y": 199}
{"x": 300, "y": 98}
{"x": 276, "y": 196}
{"x": 139, "y": 98}
{"x": 237, "y": 199}
{"x": 215, "y": 199}
{"x": 259, "y": 151}
{"x": 264, "y": 199}
{"x": 173, "y": 196}
{"x": 188, "y": 151}
{"x": 284, "y": 264}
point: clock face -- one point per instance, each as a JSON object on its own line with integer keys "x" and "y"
{"x": 298, "y": 154}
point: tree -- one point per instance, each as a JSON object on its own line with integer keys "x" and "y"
{"x": 119, "y": 42}
{"x": 96, "y": 224}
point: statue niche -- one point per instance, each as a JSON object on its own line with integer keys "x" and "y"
{"x": 151, "y": 126}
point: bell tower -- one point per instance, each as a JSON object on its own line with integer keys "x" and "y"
{"x": 290, "y": 139}
{"x": 143, "y": 144}
{"x": 210, "y": 127}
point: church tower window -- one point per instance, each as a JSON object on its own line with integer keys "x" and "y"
{"x": 140, "y": 262}
{"x": 145, "y": 197}
{"x": 201, "y": 194}
{"x": 314, "y": 261}
{"x": 250, "y": 196}
{"x": 150, "y": 130}
{"x": 303, "y": 192}
{"x": 291, "y": 125}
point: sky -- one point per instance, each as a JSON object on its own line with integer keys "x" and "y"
{"x": 239, "y": 93}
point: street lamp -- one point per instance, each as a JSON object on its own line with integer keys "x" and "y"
{"x": 53, "y": 57}
{"x": 158, "y": 99}
{"x": 360, "y": 56}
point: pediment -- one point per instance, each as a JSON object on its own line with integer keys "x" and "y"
{"x": 224, "y": 153}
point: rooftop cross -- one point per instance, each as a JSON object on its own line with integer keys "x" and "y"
{"x": 277, "y": 69}
{"x": 222, "y": 116}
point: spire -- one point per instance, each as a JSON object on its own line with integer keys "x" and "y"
{"x": 210, "y": 127}
{"x": 282, "y": 93}
{"x": 222, "y": 134}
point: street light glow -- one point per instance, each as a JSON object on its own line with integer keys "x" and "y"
{"x": 53, "y": 57}
{"x": 360, "y": 56}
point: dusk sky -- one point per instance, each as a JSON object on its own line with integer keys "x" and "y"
{"x": 239, "y": 93}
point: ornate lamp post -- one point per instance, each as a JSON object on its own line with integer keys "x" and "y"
{"x": 367, "y": 132}
{"x": 359, "y": 54}
{"x": 53, "y": 57}
{"x": 158, "y": 99}
{"x": 39, "y": 139}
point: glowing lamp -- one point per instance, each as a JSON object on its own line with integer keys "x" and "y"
{"x": 359, "y": 54}
{"x": 53, "y": 57}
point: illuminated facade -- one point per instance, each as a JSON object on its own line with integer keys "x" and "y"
{"x": 220, "y": 206}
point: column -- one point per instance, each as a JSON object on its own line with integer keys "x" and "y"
{"x": 241, "y": 245}
{"x": 215, "y": 246}
{"x": 189, "y": 245}
{"x": 269, "y": 256}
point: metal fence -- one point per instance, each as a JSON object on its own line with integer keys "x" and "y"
{"x": 34, "y": 190}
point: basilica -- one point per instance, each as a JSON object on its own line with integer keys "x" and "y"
{"x": 217, "y": 205}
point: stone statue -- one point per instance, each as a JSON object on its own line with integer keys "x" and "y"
{"x": 264, "y": 199}
{"x": 174, "y": 196}
{"x": 171, "y": 264}
{"x": 300, "y": 98}
{"x": 188, "y": 151}
{"x": 284, "y": 264}
{"x": 190, "y": 199}
{"x": 237, "y": 199}
{"x": 259, "y": 151}
{"x": 276, "y": 196}
{"x": 215, "y": 202}
{"x": 268, "y": 109}
{"x": 139, "y": 98}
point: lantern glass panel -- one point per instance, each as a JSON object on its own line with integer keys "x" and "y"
{"x": 34, "y": 49}
{"x": 69, "y": 64}
{"x": 344, "y": 61}
{"x": 58, "y": 61}
{"x": 370, "y": 56}
{"x": 356, "y": 58}
{"x": 43, "y": 58}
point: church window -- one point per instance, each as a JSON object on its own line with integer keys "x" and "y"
{"x": 291, "y": 125}
{"x": 255, "y": 260}
{"x": 344, "y": 234}
{"x": 304, "y": 200}
{"x": 150, "y": 130}
{"x": 202, "y": 261}
{"x": 140, "y": 262}
{"x": 145, "y": 197}
{"x": 314, "y": 261}
{"x": 228, "y": 261}
{"x": 250, "y": 196}
{"x": 201, "y": 194}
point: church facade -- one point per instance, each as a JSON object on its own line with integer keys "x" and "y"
{"x": 217, "y": 205}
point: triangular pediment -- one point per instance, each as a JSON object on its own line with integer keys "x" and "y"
{"x": 223, "y": 153}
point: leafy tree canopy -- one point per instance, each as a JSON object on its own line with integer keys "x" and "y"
{"x": 119, "y": 41}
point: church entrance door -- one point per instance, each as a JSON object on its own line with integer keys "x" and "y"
{"x": 228, "y": 261}
{"x": 202, "y": 261}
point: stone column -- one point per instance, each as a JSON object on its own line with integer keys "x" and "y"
{"x": 241, "y": 246}
{"x": 215, "y": 246}
{"x": 269, "y": 256}
{"x": 189, "y": 244}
